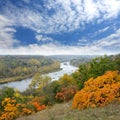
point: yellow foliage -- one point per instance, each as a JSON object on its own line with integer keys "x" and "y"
{"x": 67, "y": 80}
{"x": 10, "y": 109}
{"x": 26, "y": 111}
{"x": 98, "y": 92}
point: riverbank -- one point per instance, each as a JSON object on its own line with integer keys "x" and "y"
{"x": 42, "y": 70}
{"x": 20, "y": 78}
{"x": 13, "y": 79}
{"x": 55, "y": 74}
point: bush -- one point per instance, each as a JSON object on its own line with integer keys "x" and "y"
{"x": 66, "y": 94}
{"x": 98, "y": 92}
{"x": 10, "y": 109}
{"x": 36, "y": 102}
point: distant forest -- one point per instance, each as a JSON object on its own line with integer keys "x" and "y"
{"x": 21, "y": 67}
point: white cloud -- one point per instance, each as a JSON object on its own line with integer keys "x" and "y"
{"x": 108, "y": 45}
{"x": 39, "y": 37}
{"x": 68, "y": 15}
{"x": 91, "y": 10}
{"x": 112, "y": 41}
{"x": 6, "y": 33}
{"x": 53, "y": 49}
{"x": 109, "y": 8}
{"x": 102, "y": 30}
{"x": 43, "y": 38}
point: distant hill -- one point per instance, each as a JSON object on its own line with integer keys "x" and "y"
{"x": 64, "y": 58}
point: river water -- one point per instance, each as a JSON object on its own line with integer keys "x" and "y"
{"x": 23, "y": 84}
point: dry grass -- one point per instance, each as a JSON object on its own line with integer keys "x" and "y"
{"x": 64, "y": 112}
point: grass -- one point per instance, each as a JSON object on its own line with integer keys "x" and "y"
{"x": 64, "y": 112}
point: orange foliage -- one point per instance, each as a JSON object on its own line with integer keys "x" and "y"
{"x": 26, "y": 111}
{"x": 98, "y": 92}
{"x": 38, "y": 107}
{"x": 10, "y": 109}
{"x": 36, "y": 104}
{"x": 66, "y": 94}
{"x": 23, "y": 110}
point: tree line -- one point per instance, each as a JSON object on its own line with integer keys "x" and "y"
{"x": 18, "y": 67}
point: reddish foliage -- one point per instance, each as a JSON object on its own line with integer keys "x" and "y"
{"x": 66, "y": 94}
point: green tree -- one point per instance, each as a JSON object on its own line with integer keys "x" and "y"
{"x": 6, "y": 92}
{"x": 94, "y": 68}
{"x": 66, "y": 80}
{"x": 39, "y": 81}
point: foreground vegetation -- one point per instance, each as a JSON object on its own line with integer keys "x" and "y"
{"x": 95, "y": 84}
{"x": 63, "y": 111}
{"x": 98, "y": 92}
{"x": 96, "y": 67}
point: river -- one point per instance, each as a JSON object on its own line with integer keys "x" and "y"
{"x": 23, "y": 84}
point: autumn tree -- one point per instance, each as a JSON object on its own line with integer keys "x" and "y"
{"x": 39, "y": 82}
{"x": 67, "y": 80}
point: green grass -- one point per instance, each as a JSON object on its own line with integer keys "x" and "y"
{"x": 64, "y": 112}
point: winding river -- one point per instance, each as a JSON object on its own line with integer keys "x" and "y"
{"x": 23, "y": 84}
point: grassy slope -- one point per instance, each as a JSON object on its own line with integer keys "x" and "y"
{"x": 63, "y": 112}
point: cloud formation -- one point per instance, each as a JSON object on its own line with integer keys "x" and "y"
{"x": 43, "y": 38}
{"x": 6, "y": 33}
{"x": 62, "y": 15}
{"x": 58, "y": 17}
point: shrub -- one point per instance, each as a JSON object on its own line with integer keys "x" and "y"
{"x": 67, "y": 80}
{"x": 10, "y": 109}
{"x": 66, "y": 94}
{"x": 38, "y": 107}
{"x": 98, "y": 92}
{"x": 36, "y": 103}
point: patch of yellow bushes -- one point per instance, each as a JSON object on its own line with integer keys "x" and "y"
{"x": 98, "y": 92}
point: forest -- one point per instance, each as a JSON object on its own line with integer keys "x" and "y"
{"x": 13, "y": 68}
{"x": 95, "y": 84}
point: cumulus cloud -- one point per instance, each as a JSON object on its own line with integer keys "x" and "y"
{"x": 109, "y": 8}
{"x": 109, "y": 44}
{"x": 56, "y": 17}
{"x": 57, "y": 49}
{"x": 112, "y": 40}
{"x": 43, "y": 38}
{"x": 6, "y": 33}
{"x": 63, "y": 15}
{"x": 101, "y": 31}
{"x": 51, "y": 49}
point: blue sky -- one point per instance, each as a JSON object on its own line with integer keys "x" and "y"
{"x": 51, "y": 27}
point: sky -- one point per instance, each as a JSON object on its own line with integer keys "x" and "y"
{"x": 59, "y": 27}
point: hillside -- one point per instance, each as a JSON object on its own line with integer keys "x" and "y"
{"x": 64, "y": 112}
